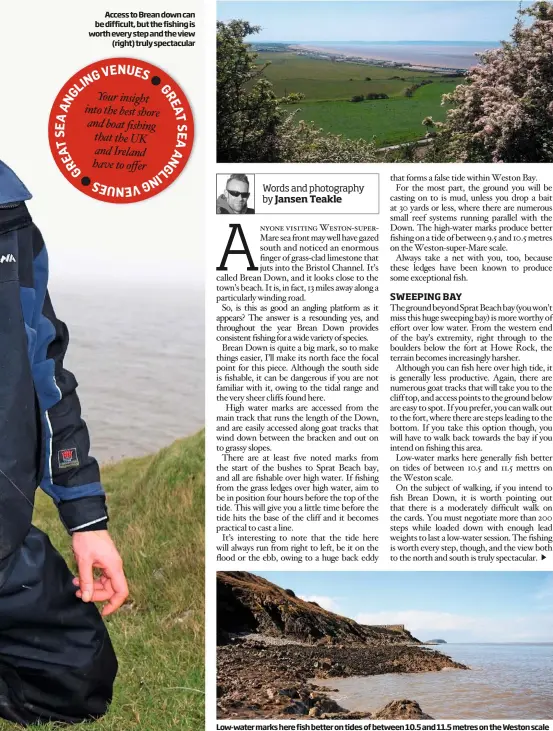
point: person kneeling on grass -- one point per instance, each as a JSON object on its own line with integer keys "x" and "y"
{"x": 56, "y": 659}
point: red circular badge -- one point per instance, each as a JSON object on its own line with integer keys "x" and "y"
{"x": 121, "y": 130}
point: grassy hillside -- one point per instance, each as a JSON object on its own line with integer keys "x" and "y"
{"x": 389, "y": 121}
{"x": 156, "y": 506}
{"x": 328, "y": 87}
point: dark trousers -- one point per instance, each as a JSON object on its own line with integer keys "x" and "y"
{"x": 56, "y": 658}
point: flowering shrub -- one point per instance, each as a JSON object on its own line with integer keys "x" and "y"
{"x": 504, "y": 111}
{"x": 253, "y": 126}
{"x": 248, "y": 112}
{"x": 303, "y": 142}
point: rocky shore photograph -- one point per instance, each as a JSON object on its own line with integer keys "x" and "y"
{"x": 287, "y": 649}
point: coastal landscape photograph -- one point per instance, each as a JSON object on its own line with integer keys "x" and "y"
{"x": 385, "y": 645}
{"x": 378, "y": 81}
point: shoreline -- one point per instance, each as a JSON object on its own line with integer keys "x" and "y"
{"x": 365, "y": 59}
{"x": 264, "y": 677}
{"x": 336, "y": 693}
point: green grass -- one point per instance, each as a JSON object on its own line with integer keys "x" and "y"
{"x": 321, "y": 79}
{"x": 389, "y": 121}
{"x": 328, "y": 86}
{"x": 156, "y": 507}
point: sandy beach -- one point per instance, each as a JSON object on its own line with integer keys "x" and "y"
{"x": 425, "y": 57}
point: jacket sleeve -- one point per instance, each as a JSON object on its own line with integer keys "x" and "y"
{"x": 72, "y": 476}
{"x": 65, "y": 469}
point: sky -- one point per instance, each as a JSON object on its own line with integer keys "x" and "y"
{"x": 460, "y": 606}
{"x": 352, "y": 20}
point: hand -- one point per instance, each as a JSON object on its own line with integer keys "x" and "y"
{"x": 96, "y": 549}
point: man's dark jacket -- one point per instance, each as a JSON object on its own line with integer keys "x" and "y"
{"x": 223, "y": 207}
{"x": 43, "y": 440}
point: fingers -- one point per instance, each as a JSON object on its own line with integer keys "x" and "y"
{"x": 99, "y": 595}
{"x": 121, "y": 592}
{"x": 102, "y": 589}
{"x": 99, "y": 583}
{"x": 96, "y": 549}
{"x": 86, "y": 580}
{"x": 113, "y": 590}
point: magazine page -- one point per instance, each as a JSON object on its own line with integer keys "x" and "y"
{"x": 379, "y": 339}
{"x": 102, "y": 365}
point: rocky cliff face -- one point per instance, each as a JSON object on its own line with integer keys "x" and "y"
{"x": 273, "y": 645}
{"x": 251, "y": 604}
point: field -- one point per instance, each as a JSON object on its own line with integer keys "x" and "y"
{"x": 328, "y": 87}
{"x": 156, "y": 506}
{"x": 390, "y": 121}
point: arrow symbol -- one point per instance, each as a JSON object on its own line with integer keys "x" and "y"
{"x": 542, "y": 556}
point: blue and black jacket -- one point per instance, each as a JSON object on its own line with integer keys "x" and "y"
{"x": 43, "y": 439}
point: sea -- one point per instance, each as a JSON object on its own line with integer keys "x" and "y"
{"x": 137, "y": 352}
{"x": 442, "y": 54}
{"x": 505, "y": 681}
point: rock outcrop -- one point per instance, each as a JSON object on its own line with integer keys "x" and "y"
{"x": 399, "y": 710}
{"x": 250, "y": 604}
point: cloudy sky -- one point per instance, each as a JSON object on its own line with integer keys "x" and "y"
{"x": 461, "y": 606}
{"x": 344, "y": 20}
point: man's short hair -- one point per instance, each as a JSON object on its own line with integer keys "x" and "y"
{"x": 239, "y": 176}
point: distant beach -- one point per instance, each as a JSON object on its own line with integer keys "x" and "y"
{"x": 443, "y": 55}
